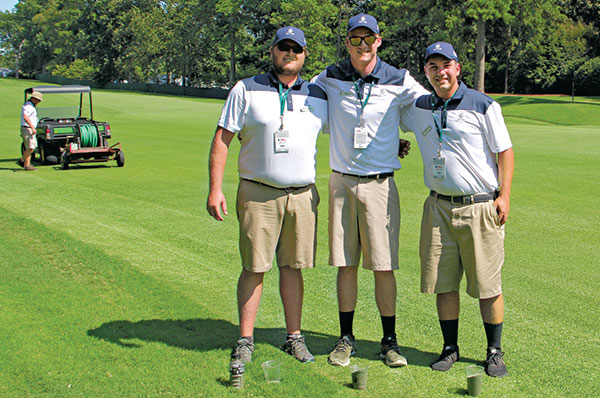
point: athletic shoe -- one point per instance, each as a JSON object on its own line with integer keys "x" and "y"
{"x": 343, "y": 350}
{"x": 391, "y": 352}
{"x": 494, "y": 363}
{"x": 244, "y": 349}
{"x": 29, "y": 168}
{"x": 296, "y": 347}
{"x": 447, "y": 358}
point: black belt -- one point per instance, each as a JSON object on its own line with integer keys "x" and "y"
{"x": 286, "y": 190}
{"x": 466, "y": 199}
{"x": 369, "y": 176}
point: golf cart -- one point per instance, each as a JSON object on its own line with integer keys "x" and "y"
{"x": 64, "y": 134}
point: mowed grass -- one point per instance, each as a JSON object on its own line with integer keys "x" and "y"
{"x": 115, "y": 281}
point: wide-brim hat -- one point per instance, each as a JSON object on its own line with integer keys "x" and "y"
{"x": 37, "y": 95}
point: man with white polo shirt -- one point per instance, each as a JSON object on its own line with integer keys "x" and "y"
{"x": 277, "y": 117}
{"x": 29, "y": 121}
{"x": 365, "y": 95}
{"x": 468, "y": 164}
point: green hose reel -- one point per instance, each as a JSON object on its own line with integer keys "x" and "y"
{"x": 88, "y": 135}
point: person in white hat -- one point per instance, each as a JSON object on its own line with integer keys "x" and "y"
{"x": 29, "y": 122}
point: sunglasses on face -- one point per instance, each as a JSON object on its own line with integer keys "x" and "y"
{"x": 369, "y": 40}
{"x": 284, "y": 47}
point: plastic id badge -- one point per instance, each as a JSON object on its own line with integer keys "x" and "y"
{"x": 439, "y": 168}
{"x": 282, "y": 141}
{"x": 361, "y": 138}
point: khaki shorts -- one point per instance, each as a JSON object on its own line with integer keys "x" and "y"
{"x": 458, "y": 238}
{"x": 29, "y": 138}
{"x": 364, "y": 214}
{"x": 273, "y": 222}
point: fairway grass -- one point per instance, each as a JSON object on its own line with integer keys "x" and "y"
{"x": 116, "y": 282}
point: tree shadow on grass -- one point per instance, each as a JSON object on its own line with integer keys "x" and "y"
{"x": 211, "y": 334}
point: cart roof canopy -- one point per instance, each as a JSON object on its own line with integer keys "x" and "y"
{"x": 59, "y": 89}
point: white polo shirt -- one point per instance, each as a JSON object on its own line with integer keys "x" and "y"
{"x": 476, "y": 133}
{"x": 390, "y": 89}
{"x": 252, "y": 110}
{"x": 29, "y": 110}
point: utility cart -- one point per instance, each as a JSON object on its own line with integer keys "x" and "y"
{"x": 66, "y": 135}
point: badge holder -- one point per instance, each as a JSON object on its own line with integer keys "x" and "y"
{"x": 282, "y": 140}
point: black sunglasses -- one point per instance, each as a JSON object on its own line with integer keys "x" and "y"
{"x": 286, "y": 47}
{"x": 369, "y": 40}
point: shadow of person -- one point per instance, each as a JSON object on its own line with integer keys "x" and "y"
{"x": 192, "y": 334}
{"x": 211, "y": 334}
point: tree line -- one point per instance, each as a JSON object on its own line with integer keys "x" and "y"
{"x": 504, "y": 46}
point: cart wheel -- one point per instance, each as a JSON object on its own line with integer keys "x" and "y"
{"x": 120, "y": 158}
{"x": 64, "y": 161}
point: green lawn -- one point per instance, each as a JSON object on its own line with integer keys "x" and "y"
{"x": 116, "y": 282}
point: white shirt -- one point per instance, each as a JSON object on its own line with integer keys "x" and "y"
{"x": 30, "y": 111}
{"x": 252, "y": 110}
{"x": 390, "y": 90}
{"x": 476, "y": 133}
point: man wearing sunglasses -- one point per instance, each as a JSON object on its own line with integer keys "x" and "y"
{"x": 277, "y": 117}
{"x": 365, "y": 95}
{"x": 468, "y": 164}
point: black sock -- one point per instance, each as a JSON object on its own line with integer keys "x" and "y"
{"x": 493, "y": 332}
{"x": 346, "y": 320}
{"x": 450, "y": 331}
{"x": 389, "y": 325}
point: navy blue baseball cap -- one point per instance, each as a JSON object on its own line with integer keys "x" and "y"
{"x": 363, "y": 21}
{"x": 442, "y": 48}
{"x": 290, "y": 33}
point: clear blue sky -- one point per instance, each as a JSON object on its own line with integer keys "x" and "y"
{"x": 7, "y": 4}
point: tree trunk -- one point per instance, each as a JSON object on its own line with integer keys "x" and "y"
{"x": 480, "y": 56}
{"x": 18, "y": 59}
{"x": 507, "y": 61}
{"x": 232, "y": 54}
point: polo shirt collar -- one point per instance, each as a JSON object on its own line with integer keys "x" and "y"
{"x": 275, "y": 81}
{"x": 372, "y": 77}
{"x": 460, "y": 93}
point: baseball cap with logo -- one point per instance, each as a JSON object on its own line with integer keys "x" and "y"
{"x": 441, "y": 48}
{"x": 363, "y": 21}
{"x": 290, "y": 33}
{"x": 37, "y": 95}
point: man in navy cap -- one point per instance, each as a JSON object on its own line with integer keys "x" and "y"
{"x": 277, "y": 117}
{"x": 365, "y": 95}
{"x": 468, "y": 165}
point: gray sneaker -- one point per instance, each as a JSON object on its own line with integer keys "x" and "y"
{"x": 244, "y": 349}
{"x": 494, "y": 363}
{"x": 391, "y": 352}
{"x": 447, "y": 358}
{"x": 343, "y": 350}
{"x": 296, "y": 347}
